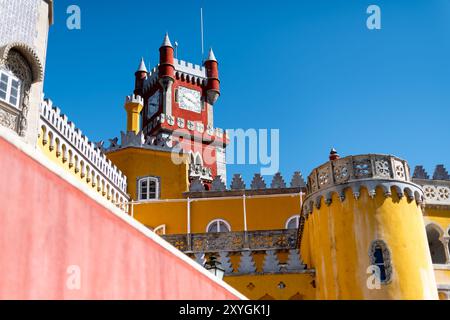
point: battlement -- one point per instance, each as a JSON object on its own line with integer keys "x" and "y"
{"x": 134, "y": 99}
{"x": 190, "y": 68}
{"x": 84, "y": 156}
{"x": 257, "y": 186}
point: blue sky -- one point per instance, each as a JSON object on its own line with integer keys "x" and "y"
{"x": 310, "y": 68}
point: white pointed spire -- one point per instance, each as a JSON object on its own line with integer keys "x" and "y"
{"x": 211, "y": 56}
{"x": 166, "y": 42}
{"x": 142, "y": 67}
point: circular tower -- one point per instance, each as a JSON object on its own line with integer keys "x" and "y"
{"x": 363, "y": 232}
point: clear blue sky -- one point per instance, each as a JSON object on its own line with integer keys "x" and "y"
{"x": 310, "y": 68}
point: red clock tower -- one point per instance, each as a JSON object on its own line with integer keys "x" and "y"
{"x": 179, "y": 99}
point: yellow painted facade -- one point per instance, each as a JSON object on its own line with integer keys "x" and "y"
{"x": 339, "y": 238}
{"x": 299, "y": 286}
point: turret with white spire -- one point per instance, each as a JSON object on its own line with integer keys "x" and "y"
{"x": 213, "y": 82}
{"x": 140, "y": 75}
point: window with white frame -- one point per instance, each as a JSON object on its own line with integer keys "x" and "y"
{"x": 218, "y": 225}
{"x": 9, "y": 88}
{"x": 293, "y": 222}
{"x": 148, "y": 188}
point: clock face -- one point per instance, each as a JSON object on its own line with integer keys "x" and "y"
{"x": 189, "y": 99}
{"x": 153, "y": 104}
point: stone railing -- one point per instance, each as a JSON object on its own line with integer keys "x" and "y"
{"x": 436, "y": 190}
{"x": 356, "y": 168}
{"x": 244, "y": 246}
{"x": 374, "y": 172}
{"x": 235, "y": 241}
{"x": 85, "y": 157}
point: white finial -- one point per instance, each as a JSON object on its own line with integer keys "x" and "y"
{"x": 211, "y": 56}
{"x": 142, "y": 67}
{"x": 166, "y": 42}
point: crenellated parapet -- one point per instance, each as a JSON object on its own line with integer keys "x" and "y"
{"x": 257, "y": 186}
{"x": 374, "y": 172}
{"x": 436, "y": 190}
{"x": 84, "y": 157}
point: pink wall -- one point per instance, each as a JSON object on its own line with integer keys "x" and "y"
{"x": 47, "y": 225}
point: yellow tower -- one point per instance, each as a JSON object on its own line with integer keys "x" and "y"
{"x": 134, "y": 105}
{"x": 363, "y": 232}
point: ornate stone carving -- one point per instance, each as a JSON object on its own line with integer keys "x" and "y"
{"x": 8, "y": 120}
{"x": 235, "y": 241}
{"x": 368, "y": 171}
{"x": 362, "y": 168}
{"x": 382, "y": 167}
{"x": 17, "y": 64}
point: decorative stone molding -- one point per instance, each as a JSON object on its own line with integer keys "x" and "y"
{"x": 371, "y": 172}
{"x": 235, "y": 241}
{"x": 81, "y": 153}
{"x": 29, "y": 54}
{"x": 19, "y": 65}
{"x": 436, "y": 190}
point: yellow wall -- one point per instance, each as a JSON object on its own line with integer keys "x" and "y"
{"x": 339, "y": 240}
{"x": 299, "y": 286}
{"x": 440, "y": 217}
{"x": 137, "y": 163}
{"x": 269, "y": 213}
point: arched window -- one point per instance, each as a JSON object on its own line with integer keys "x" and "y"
{"x": 218, "y": 225}
{"x": 435, "y": 244}
{"x": 148, "y": 188}
{"x": 380, "y": 257}
{"x": 293, "y": 222}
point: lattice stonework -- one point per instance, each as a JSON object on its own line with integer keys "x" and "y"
{"x": 341, "y": 172}
{"x": 362, "y": 168}
{"x": 19, "y": 21}
{"x": 383, "y": 168}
